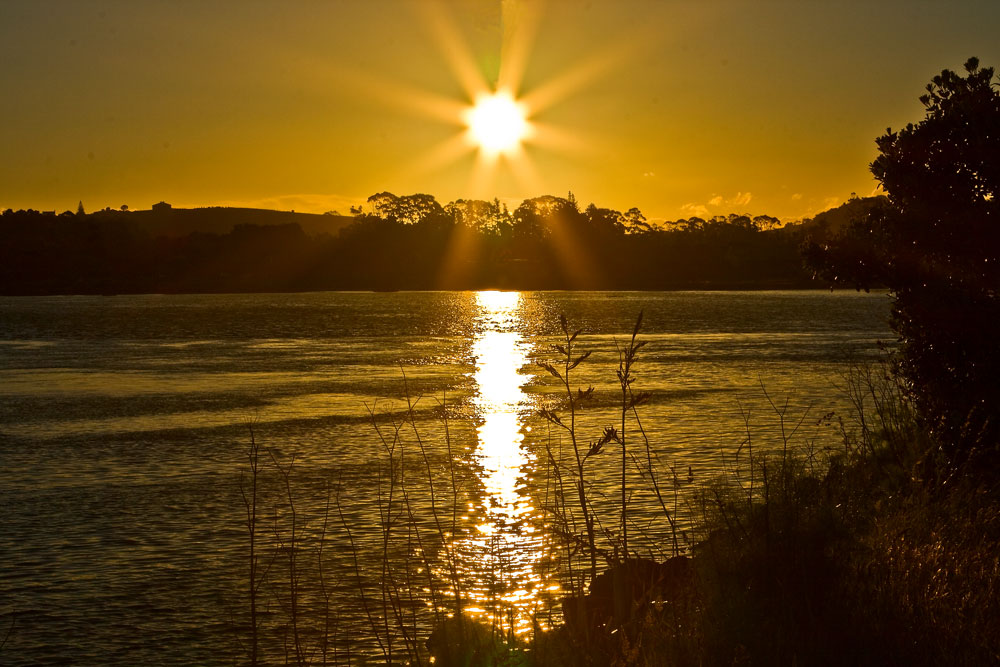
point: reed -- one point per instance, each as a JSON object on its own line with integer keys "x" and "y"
{"x": 795, "y": 555}
{"x": 10, "y": 630}
{"x": 417, "y": 587}
{"x": 567, "y": 363}
{"x": 250, "y": 504}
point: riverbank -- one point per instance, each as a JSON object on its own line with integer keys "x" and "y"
{"x": 871, "y": 558}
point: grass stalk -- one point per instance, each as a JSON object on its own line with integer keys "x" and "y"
{"x": 292, "y": 548}
{"x": 250, "y": 504}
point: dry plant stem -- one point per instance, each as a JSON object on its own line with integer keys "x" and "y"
{"x": 324, "y": 592}
{"x": 445, "y": 544}
{"x": 624, "y": 380}
{"x": 399, "y": 597}
{"x": 733, "y": 468}
{"x": 386, "y": 523}
{"x": 546, "y": 508}
{"x": 293, "y": 573}
{"x": 785, "y": 436}
{"x": 748, "y": 443}
{"x": 250, "y": 503}
{"x": 372, "y": 622}
{"x": 6, "y": 637}
{"x": 409, "y": 585}
{"x": 452, "y": 557}
{"x": 385, "y": 518}
{"x": 561, "y": 513}
{"x": 651, "y": 471}
{"x": 569, "y": 364}
{"x": 624, "y": 500}
{"x": 386, "y": 529}
{"x": 625, "y": 360}
{"x": 558, "y": 508}
{"x": 860, "y": 385}
{"x": 391, "y": 595}
{"x": 413, "y": 532}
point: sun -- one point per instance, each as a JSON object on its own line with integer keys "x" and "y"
{"x": 497, "y": 119}
{"x": 497, "y": 123}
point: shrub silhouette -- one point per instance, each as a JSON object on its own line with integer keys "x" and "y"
{"x": 935, "y": 243}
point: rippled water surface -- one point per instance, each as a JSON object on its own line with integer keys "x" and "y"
{"x": 124, "y": 435}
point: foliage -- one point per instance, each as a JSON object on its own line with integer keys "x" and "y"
{"x": 852, "y": 561}
{"x": 936, "y": 244}
{"x": 393, "y": 242}
{"x": 798, "y": 559}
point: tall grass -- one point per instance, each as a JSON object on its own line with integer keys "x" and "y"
{"x": 860, "y": 554}
{"x": 865, "y": 557}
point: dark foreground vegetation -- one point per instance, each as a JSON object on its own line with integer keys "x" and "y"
{"x": 884, "y": 551}
{"x": 856, "y": 555}
{"x": 407, "y": 242}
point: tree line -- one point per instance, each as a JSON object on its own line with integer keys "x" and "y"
{"x": 400, "y": 242}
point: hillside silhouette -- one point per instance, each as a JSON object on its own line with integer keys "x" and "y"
{"x": 398, "y": 243}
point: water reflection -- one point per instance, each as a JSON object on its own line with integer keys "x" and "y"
{"x": 506, "y": 552}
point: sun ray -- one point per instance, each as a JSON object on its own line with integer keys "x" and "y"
{"x": 575, "y": 261}
{"x": 546, "y": 135}
{"x": 461, "y": 258}
{"x": 526, "y": 174}
{"x": 518, "y": 163}
{"x": 396, "y": 94}
{"x": 438, "y": 157}
{"x": 447, "y": 36}
{"x": 519, "y": 22}
{"x": 593, "y": 68}
{"x": 483, "y": 172}
{"x": 510, "y": 120}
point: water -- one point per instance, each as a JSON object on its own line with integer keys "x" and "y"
{"x": 123, "y": 435}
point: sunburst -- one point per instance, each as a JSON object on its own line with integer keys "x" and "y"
{"x": 495, "y": 121}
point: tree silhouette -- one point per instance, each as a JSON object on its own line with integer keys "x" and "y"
{"x": 481, "y": 216}
{"x": 396, "y": 242}
{"x": 935, "y": 243}
{"x": 409, "y": 209}
{"x": 635, "y": 222}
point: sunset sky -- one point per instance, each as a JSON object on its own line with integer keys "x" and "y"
{"x": 679, "y": 108}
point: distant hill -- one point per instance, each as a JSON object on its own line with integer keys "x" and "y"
{"x": 831, "y": 222}
{"x": 171, "y": 222}
{"x": 227, "y": 250}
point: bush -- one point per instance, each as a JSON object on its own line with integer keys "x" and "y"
{"x": 935, "y": 242}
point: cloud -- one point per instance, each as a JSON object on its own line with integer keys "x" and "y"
{"x": 717, "y": 204}
{"x": 303, "y": 203}
{"x": 829, "y": 203}
{"x": 813, "y": 206}
{"x": 797, "y": 196}
{"x": 699, "y": 210}
{"x": 741, "y": 199}
{"x": 649, "y": 174}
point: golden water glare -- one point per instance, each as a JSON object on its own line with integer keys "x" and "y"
{"x": 506, "y": 578}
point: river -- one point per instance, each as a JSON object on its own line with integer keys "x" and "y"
{"x": 124, "y": 430}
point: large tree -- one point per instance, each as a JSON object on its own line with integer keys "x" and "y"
{"x": 935, "y": 243}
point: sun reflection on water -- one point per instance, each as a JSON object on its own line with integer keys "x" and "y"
{"x": 506, "y": 577}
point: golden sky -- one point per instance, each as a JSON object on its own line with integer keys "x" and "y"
{"x": 679, "y": 108}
